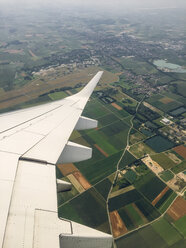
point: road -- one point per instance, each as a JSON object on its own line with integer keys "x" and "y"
{"x": 117, "y": 166}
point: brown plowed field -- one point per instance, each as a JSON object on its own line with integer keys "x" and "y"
{"x": 67, "y": 169}
{"x": 82, "y": 180}
{"x": 118, "y": 227}
{"x": 178, "y": 209}
{"x": 116, "y": 106}
{"x": 181, "y": 150}
{"x": 101, "y": 150}
{"x": 160, "y": 196}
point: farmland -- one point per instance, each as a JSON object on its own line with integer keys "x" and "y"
{"x": 149, "y": 185}
{"x": 159, "y": 143}
{"x": 86, "y": 212}
{"x": 139, "y": 144}
{"x": 163, "y": 160}
{"x": 166, "y": 175}
{"x": 164, "y": 104}
{"x": 140, "y": 149}
{"x": 159, "y": 234}
{"x": 178, "y": 209}
{"x": 166, "y": 231}
{"x": 180, "y": 167}
{"x": 181, "y": 150}
{"x": 129, "y": 208}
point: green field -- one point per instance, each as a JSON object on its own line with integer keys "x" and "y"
{"x": 138, "y": 67}
{"x": 179, "y": 167}
{"x": 129, "y": 223}
{"x": 180, "y": 224}
{"x": 119, "y": 113}
{"x": 127, "y": 159}
{"x": 58, "y": 95}
{"x": 99, "y": 170}
{"x": 95, "y": 110}
{"x": 124, "y": 204}
{"x": 124, "y": 199}
{"x": 163, "y": 160}
{"x": 68, "y": 211}
{"x": 180, "y": 87}
{"x": 176, "y": 96}
{"x": 100, "y": 139}
{"x": 178, "y": 111}
{"x": 156, "y": 101}
{"x": 136, "y": 137}
{"x": 166, "y": 231}
{"x": 110, "y": 138}
{"x": 66, "y": 196}
{"x": 149, "y": 185}
{"x": 166, "y": 201}
{"x": 107, "y": 119}
{"x": 119, "y": 140}
{"x": 96, "y": 155}
{"x": 146, "y": 132}
{"x": 145, "y": 237}
{"x": 115, "y": 128}
{"x": 130, "y": 176}
{"x": 82, "y": 208}
{"x": 140, "y": 149}
{"x": 147, "y": 209}
{"x": 104, "y": 187}
{"x": 166, "y": 175}
{"x": 163, "y": 199}
{"x": 136, "y": 218}
{"x": 120, "y": 184}
{"x": 159, "y": 143}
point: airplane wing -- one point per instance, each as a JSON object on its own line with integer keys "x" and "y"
{"x": 32, "y": 141}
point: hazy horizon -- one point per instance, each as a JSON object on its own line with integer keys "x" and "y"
{"x": 107, "y": 4}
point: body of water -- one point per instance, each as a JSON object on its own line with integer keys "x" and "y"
{"x": 165, "y": 66}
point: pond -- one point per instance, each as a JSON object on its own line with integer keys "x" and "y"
{"x": 169, "y": 67}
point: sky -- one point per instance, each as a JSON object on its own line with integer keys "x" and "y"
{"x": 103, "y": 3}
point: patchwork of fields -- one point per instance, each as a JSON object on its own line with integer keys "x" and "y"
{"x": 137, "y": 196}
{"x": 134, "y": 185}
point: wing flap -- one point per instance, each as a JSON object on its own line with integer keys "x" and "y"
{"x": 74, "y": 153}
{"x": 85, "y": 123}
{"x": 34, "y": 188}
{"x": 8, "y": 169}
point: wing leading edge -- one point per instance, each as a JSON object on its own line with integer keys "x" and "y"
{"x": 31, "y": 143}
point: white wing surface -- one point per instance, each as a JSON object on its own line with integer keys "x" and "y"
{"x": 31, "y": 143}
